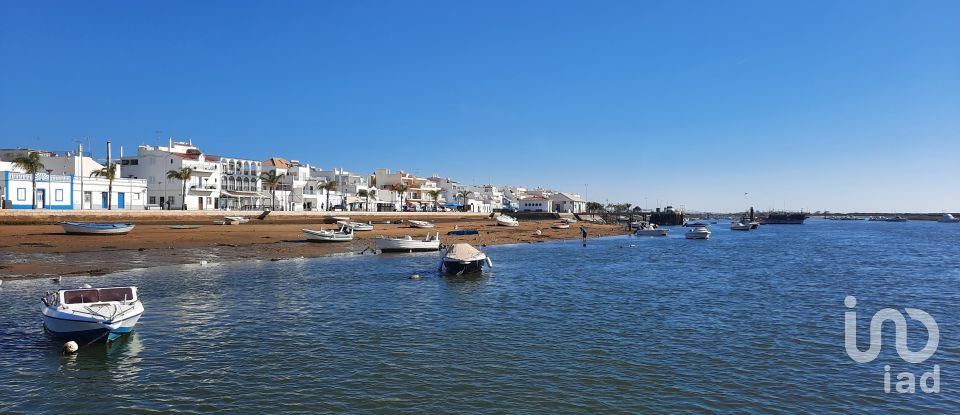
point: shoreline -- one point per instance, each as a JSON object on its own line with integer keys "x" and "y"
{"x": 33, "y": 246}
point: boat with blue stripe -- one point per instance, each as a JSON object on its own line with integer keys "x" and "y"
{"x": 88, "y": 228}
{"x": 91, "y": 314}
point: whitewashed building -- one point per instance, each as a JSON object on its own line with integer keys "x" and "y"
{"x": 567, "y": 202}
{"x": 152, "y": 164}
{"x": 240, "y": 184}
{"x": 535, "y": 204}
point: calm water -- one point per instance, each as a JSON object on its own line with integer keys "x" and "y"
{"x": 744, "y": 322}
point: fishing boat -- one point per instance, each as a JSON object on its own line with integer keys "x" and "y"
{"x": 504, "y": 220}
{"x": 420, "y": 224}
{"x": 234, "y": 220}
{"x": 561, "y": 225}
{"x": 408, "y": 244}
{"x": 87, "y": 228}
{"x": 948, "y": 218}
{"x": 698, "y": 233}
{"x": 183, "y": 226}
{"x": 356, "y": 226}
{"x": 344, "y": 234}
{"x": 647, "y": 229}
{"x": 463, "y": 258}
{"x": 91, "y": 314}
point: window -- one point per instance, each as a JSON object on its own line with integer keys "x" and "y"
{"x": 58, "y": 195}
{"x": 21, "y": 194}
{"x": 153, "y": 200}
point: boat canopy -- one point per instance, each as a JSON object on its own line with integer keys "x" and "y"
{"x": 464, "y": 232}
{"x": 95, "y": 295}
{"x": 464, "y": 252}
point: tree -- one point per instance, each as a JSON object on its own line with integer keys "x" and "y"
{"x": 184, "y": 175}
{"x": 363, "y": 193}
{"x": 30, "y": 164}
{"x": 435, "y": 194}
{"x": 463, "y": 196}
{"x": 594, "y": 207}
{"x": 272, "y": 180}
{"x": 371, "y": 193}
{"x": 400, "y": 189}
{"x": 108, "y": 172}
{"x": 329, "y": 187}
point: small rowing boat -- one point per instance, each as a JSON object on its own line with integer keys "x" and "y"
{"x": 86, "y": 228}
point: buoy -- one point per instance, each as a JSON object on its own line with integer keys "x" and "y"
{"x": 539, "y": 232}
{"x": 415, "y": 277}
{"x": 203, "y": 262}
{"x": 70, "y": 347}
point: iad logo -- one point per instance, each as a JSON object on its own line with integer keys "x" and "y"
{"x": 906, "y": 382}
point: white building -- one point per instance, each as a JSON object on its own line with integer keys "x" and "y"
{"x": 349, "y": 186}
{"x": 67, "y": 183}
{"x": 240, "y": 184}
{"x": 535, "y": 204}
{"x": 568, "y": 202}
{"x": 153, "y": 162}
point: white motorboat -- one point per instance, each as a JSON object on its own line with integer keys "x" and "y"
{"x": 344, "y": 234}
{"x": 356, "y": 226}
{"x": 85, "y": 228}
{"x": 948, "y": 218}
{"x": 561, "y": 225}
{"x": 504, "y": 220}
{"x": 646, "y": 229}
{"x": 234, "y": 220}
{"x": 408, "y": 244}
{"x": 462, "y": 259}
{"x": 698, "y": 233}
{"x": 91, "y": 314}
{"x": 741, "y": 226}
{"x": 420, "y": 224}
{"x": 697, "y": 224}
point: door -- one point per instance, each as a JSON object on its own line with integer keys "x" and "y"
{"x": 104, "y": 200}
{"x": 120, "y": 200}
{"x": 88, "y": 200}
{"x": 41, "y": 198}
{"x": 200, "y": 202}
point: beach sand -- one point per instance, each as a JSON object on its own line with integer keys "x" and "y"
{"x": 34, "y": 245}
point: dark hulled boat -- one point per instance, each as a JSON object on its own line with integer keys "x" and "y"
{"x": 784, "y": 218}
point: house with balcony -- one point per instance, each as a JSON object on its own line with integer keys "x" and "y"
{"x": 153, "y": 162}
{"x": 240, "y": 184}
{"x": 349, "y": 187}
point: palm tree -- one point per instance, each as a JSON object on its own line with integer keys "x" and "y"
{"x": 108, "y": 172}
{"x": 272, "y": 180}
{"x": 363, "y": 193}
{"x": 371, "y": 193}
{"x": 184, "y": 175}
{"x": 435, "y": 194}
{"x": 401, "y": 189}
{"x": 329, "y": 187}
{"x": 464, "y": 195}
{"x": 30, "y": 164}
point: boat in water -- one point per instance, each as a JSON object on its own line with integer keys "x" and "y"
{"x": 784, "y": 218}
{"x": 741, "y": 226}
{"x": 504, "y": 220}
{"x": 697, "y": 224}
{"x": 420, "y": 224}
{"x": 698, "y": 233}
{"x": 463, "y": 258}
{"x": 91, "y": 314}
{"x": 344, "y": 234}
{"x": 647, "y": 229}
{"x": 356, "y": 226}
{"x": 408, "y": 244}
{"x": 87, "y": 228}
{"x": 948, "y": 218}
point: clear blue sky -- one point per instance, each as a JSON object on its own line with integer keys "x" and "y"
{"x": 849, "y": 105}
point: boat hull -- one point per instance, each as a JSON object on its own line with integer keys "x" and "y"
{"x": 313, "y": 236}
{"x": 66, "y": 327}
{"x": 463, "y": 267}
{"x": 652, "y": 232}
{"x": 394, "y": 245}
{"x": 96, "y": 229}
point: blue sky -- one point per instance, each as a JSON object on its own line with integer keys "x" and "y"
{"x": 816, "y": 105}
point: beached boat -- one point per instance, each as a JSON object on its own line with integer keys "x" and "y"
{"x": 91, "y": 314}
{"x": 344, "y": 234}
{"x": 646, "y": 229}
{"x": 698, "y": 233}
{"x": 948, "y": 218}
{"x": 408, "y": 244}
{"x": 504, "y": 220}
{"x": 568, "y": 220}
{"x": 560, "y": 225}
{"x": 86, "y": 228}
{"x": 420, "y": 224}
{"x": 234, "y": 220}
{"x": 356, "y": 226}
{"x": 183, "y": 226}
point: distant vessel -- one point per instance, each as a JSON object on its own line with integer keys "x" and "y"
{"x": 84, "y": 228}
{"x": 948, "y": 218}
{"x": 504, "y": 220}
{"x": 408, "y": 244}
{"x": 345, "y": 234}
{"x": 645, "y": 229}
{"x": 356, "y": 226}
{"x": 698, "y": 233}
{"x": 419, "y": 224}
{"x": 784, "y": 218}
{"x": 668, "y": 217}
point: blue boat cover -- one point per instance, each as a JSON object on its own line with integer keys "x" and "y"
{"x": 464, "y": 232}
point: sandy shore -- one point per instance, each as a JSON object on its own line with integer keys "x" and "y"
{"x": 33, "y": 245}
